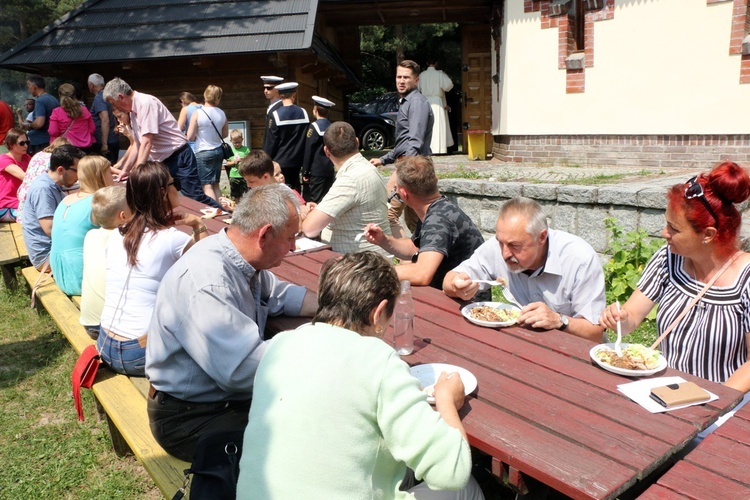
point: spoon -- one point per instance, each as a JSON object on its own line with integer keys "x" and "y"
{"x": 618, "y": 351}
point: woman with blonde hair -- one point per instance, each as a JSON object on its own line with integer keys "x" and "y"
{"x": 208, "y": 127}
{"x": 71, "y": 119}
{"x": 71, "y": 222}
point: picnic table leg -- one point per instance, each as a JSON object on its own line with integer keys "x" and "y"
{"x": 118, "y": 442}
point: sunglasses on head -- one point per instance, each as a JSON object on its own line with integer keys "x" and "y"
{"x": 23, "y": 143}
{"x": 694, "y": 190}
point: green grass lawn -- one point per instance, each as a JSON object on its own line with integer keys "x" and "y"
{"x": 46, "y": 452}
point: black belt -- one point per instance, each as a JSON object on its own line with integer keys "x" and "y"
{"x": 177, "y": 151}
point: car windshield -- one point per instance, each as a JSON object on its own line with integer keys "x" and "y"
{"x": 386, "y": 103}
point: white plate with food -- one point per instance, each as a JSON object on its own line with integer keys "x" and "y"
{"x": 428, "y": 374}
{"x": 637, "y": 360}
{"x": 492, "y": 314}
{"x": 210, "y": 213}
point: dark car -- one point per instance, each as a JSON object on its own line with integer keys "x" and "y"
{"x": 375, "y": 121}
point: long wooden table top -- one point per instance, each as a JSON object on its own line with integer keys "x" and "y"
{"x": 542, "y": 408}
{"x": 716, "y": 468}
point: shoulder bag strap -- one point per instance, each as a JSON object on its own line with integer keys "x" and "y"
{"x": 40, "y": 281}
{"x": 214, "y": 126}
{"x": 67, "y": 129}
{"x": 696, "y": 299}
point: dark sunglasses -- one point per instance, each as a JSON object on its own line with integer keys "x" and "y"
{"x": 694, "y": 190}
{"x": 267, "y": 87}
{"x": 175, "y": 183}
{"x": 395, "y": 195}
{"x": 23, "y": 143}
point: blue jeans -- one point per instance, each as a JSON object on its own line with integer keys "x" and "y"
{"x": 122, "y": 356}
{"x": 183, "y": 167}
{"x": 209, "y": 165}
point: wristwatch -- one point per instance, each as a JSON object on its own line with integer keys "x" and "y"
{"x": 565, "y": 321}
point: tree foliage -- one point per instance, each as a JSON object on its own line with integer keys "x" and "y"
{"x": 19, "y": 19}
{"x": 383, "y": 47}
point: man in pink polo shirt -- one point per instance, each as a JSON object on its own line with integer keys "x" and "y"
{"x": 159, "y": 138}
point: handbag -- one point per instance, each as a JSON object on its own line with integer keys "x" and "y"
{"x": 215, "y": 467}
{"x": 84, "y": 374}
{"x": 226, "y": 149}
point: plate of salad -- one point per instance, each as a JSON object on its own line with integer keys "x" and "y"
{"x": 637, "y": 360}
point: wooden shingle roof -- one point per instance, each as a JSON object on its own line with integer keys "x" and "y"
{"x": 123, "y": 30}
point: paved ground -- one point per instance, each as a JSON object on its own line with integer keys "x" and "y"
{"x": 459, "y": 165}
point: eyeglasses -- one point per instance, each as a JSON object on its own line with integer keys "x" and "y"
{"x": 72, "y": 169}
{"x": 23, "y": 143}
{"x": 395, "y": 195}
{"x": 175, "y": 183}
{"x": 694, "y": 190}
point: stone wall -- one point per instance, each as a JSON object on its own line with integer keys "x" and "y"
{"x": 580, "y": 210}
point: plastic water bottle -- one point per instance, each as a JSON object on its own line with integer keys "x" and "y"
{"x": 403, "y": 324}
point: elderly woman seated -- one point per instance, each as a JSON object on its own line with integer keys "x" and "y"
{"x": 335, "y": 411}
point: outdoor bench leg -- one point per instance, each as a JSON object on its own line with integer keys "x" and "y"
{"x": 118, "y": 442}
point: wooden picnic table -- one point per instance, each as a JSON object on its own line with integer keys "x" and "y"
{"x": 716, "y": 468}
{"x": 542, "y": 409}
{"x": 188, "y": 205}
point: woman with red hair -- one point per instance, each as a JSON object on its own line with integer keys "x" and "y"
{"x": 702, "y": 232}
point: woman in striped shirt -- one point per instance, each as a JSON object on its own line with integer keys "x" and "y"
{"x": 702, "y": 236}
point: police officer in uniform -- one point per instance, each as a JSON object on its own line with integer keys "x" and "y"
{"x": 317, "y": 169}
{"x": 285, "y": 138}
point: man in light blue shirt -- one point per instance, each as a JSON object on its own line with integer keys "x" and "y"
{"x": 555, "y": 275}
{"x": 207, "y": 333}
{"x": 45, "y": 193}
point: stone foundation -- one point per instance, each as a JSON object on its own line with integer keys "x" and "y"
{"x": 693, "y": 151}
{"x": 580, "y": 210}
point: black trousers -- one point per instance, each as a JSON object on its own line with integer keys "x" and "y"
{"x": 317, "y": 188}
{"x": 178, "y": 425}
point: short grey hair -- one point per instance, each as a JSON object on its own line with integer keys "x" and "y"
{"x": 96, "y": 79}
{"x": 528, "y": 208}
{"x": 115, "y": 87}
{"x": 263, "y": 205}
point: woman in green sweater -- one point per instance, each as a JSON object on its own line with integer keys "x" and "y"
{"x": 336, "y": 413}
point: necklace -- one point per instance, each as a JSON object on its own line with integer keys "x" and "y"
{"x": 712, "y": 272}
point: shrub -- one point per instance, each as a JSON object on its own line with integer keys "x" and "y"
{"x": 630, "y": 252}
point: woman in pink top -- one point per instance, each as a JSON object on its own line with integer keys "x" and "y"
{"x": 13, "y": 165}
{"x": 71, "y": 120}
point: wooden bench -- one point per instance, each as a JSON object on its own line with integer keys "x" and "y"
{"x": 716, "y": 468}
{"x": 121, "y": 398}
{"x": 13, "y": 252}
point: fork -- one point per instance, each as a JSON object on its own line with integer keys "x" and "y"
{"x": 490, "y": 282}
{"x": 618, "y": 350}
{"x": 363, "y": 234}
{"x": 506, "y": 291}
